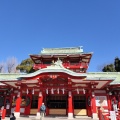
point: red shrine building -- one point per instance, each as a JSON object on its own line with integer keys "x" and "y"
{"x": 62, "y": 82}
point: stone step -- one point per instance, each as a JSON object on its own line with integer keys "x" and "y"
{"x": 82, "y": 117}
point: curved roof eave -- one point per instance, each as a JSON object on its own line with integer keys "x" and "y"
{"x": 101, "y": 78}
{"x": 55, "y": 70}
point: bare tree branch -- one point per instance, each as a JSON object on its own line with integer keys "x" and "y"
{"x": 2, "y": 67}
{"x": 11, "y": 65}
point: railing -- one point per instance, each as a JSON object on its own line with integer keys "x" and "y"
{"x": 118, "y": 115}
{"x": 66, "y": 65}
{"x": 106, "y": 115}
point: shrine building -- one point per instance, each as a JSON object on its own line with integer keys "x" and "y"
{"x": 62, "y": 82}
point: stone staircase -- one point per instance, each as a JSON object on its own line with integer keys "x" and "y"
{"x": 83, "y": 117}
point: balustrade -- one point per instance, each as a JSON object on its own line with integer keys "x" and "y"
{"x": 106, "y": 115}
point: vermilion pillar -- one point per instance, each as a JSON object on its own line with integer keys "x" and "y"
{"x": 119, "y": 101}
{"x": 40, "y": 100}
{"x": 70, "y": 106}
{"x": 93, "y": 103}
{"x": 109, "y": 102}
{"x": 18, "y": 103}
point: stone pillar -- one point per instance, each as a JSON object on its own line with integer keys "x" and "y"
{"x": 40, "y": 100}
{"x": 93, "y": 103}
{"x": 18, "y": 103}
{"x": 70, "y": 106}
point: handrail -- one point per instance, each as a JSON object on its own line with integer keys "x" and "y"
{"x": 106, "y": 115}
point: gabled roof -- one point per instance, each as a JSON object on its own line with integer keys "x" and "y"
{"x": 106, "y": 75}
{"x": 9, "y": 76}
{"x": 100, "y": 75}
{"x": 62, "y": 50}
{"x": 102, "y": 78}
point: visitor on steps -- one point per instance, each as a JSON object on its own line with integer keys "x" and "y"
{"x": 12, "y": 117}
{"x": 42, "y": 110}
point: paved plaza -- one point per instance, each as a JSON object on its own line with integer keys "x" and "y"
{"x": 50, "y": 118}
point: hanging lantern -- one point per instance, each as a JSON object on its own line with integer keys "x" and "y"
{"x": 63, "y": 90}
{"x": 33, "y": 91}
{"x": 58, "y": 90}
{"x": 83, "y": 91}
{"x": 52, "y": 92}
{"x": 77, "y": 91}
{"x": 27, "y": 91}
{"x": 47, "y": 91}
{"x": 69, "y": 94}
{"x": 110, "y": 93}
{"x": 40, "y": 94}
{"x": 93, "y": 94}
{"x": 18, "y": 95}
{"x": 13, "y": 97}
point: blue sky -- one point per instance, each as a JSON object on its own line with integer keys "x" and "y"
{"x": 27, "y": 26}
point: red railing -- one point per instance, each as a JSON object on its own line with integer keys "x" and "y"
{"x": 106, "y": 115}
{"x": 66, "y": 65}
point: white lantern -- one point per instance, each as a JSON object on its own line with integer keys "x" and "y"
{"x": 47, "y": 91}
{"x": 83, "y": 91}
{"x": 52, "y": 92}
{"x": 110, "y": 93}
{"x": 27, "y": 91}
{"x": 77, "y": 91}
{"x": 70, "y": 94}
{"x": 63, "y": 90}
{"x": 58, "y": 90}
{"x": 18, "y": 95}
{"x": 33, "y": 91}
{"x": 93, "y": 95}
{"x": 40, "y": 94}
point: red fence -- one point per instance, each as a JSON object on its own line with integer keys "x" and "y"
{"x": 106, "y": 115}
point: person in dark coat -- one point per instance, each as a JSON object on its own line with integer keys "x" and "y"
{"x": 42, "y": 110}
{"x": 12, "y": 117}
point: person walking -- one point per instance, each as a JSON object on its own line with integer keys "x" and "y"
{"x": 12, "y": 117}
{"x": 42, "y": 111}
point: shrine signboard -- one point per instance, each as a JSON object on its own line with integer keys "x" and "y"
{"x": 101, "y": 101}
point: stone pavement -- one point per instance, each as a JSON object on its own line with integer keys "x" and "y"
{"x": 51, "y": 118}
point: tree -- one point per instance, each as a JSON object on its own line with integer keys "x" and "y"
{"x": 115, "y": 67}
{"x": 2, "y": 67}
{"x": 117, "y": 64}
{"x": 109, "y": 68}
{"x": 26, "y": 66}
{"x": 11, "y": 65}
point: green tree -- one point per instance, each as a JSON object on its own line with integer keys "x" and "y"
{"x": 115, "y": 67}
{"x": 109, "y": 68}
{"x": 26, "y": 66}
{"x": 117, "y": 64}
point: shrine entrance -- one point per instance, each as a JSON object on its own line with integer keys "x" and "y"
{"x": 57, "y": 104}
{"x": 80, "y": 105}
